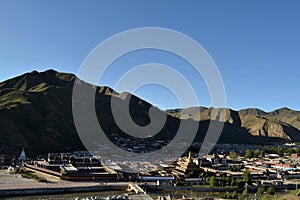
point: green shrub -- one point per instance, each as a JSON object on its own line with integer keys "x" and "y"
{"x": 266, "y": 197}
{"x": 270, "y": 191}
{"x": 260, "y": 191}
{"x": 234, "y": 195}
{"x": 245, "y": 192}
{"x": 240, "y": 183}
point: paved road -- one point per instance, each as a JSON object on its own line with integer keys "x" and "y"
{"x": 140, "y": 197}
{"x": 16, "y": 181}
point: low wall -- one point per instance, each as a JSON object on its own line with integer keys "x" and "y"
{"x": 37, "y": 191}
{"x": 46, "y": 171}
{"x": 73, "y": 177}
{"x": 206, "y": 189}
{"x": 200, "y": 189}
{"x": 82, "y": 177}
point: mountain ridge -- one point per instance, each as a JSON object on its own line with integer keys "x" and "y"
{"x": 36, "y": 113}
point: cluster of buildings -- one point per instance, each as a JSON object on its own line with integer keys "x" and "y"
{"x": 82, "y": 165}
{"x": 137, "y": 146}
{"x": 79, "y": 165}
{"x": 275, "y": 168}
{"x": 270, "y": 169}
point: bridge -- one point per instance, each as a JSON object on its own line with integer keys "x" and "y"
{"x": 135, "y": 188}
{"x": 140, "y": 193}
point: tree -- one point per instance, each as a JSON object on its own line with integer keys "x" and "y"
{"x": 213, "y": 182}
{"x": 249, "y": 153}
{"x": 289, "y": 151}
{"x": 267, "y": 197}
{"x": 227, "y": 195}
{"x": 245, "y": 192}
{"x": 256, "y": 153}
{"x": 232, "y": 155}
{"x": 234, "y": 168}
{"x": 233, "y": 183}
{"x": 280, "y": 151}
{"x": 235, "y": 195}
{"x": 208, "y": 180}
{"x": 228, "y": 181}
{"x": 247, "y": 176}
{"x": 223, "y": 182}
{"x": 266, "y": 148}
{"x": 240, "y": 183}
{"x": 190, "y": 174}
{"x": 262, "y": 154}
{"x": 260, "y": 191}
{"x": 270, "y": 191}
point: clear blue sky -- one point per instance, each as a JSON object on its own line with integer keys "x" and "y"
{"x": 255, "y": 44}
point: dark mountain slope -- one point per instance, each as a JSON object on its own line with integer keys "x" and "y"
{"x": 36, "y": 113}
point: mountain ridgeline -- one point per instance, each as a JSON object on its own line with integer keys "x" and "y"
{"x": 36, "y": 114}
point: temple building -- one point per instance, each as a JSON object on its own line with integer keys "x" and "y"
{"x": 187, "y": 167}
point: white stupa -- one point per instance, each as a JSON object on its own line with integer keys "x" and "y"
{"x": 22, "y": 156}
